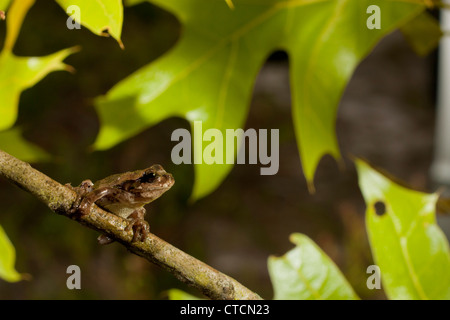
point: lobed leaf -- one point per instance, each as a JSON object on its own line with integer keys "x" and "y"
{"x": 407, "y": 244}
{"x": 20, "y": 73}
{"x": 209, "y": 75}
{"x": 7, "y": 259}
{"x": 307, "y": 273}
{"x": 102, "y": 17}
{"x": 423, "y": 33}
{"x": 12, "y": 142}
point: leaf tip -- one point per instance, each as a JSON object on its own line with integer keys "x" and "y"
{"x": 74, "y": 49}
{"x": 26, "y": 277}
{"x": 69, "y": 68}
{"x": 109, "y": 32}
{"x": 359, "y": 163}
{"x": 311, "y": 186}
{"x": 296, "y": 238}
{"x": 341, "y": 164}
{"x": 440, "y": 191}
{"x": 121, "y": 44}
{"x": 230, "y": 4}
{"x": 193, "y": 199}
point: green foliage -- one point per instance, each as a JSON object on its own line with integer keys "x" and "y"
{"x": 27, "y": 72}
{"x": 410, "y": 249}
{"x": 423, "y": 33}
{"x": 17, "y": 146}
{"x": 100, "y": 16}
{"x": 209, "y": 77}
{"x": 210, "y": 73}
{"x": 307, "y": 273}
{"x": 4, "y": 4}
{"x": 18, "y": 74}
{"x": 407, "y": 244}
{"x": 177, "y": 294}
{"x": 230, "y": 3}
{"x": 7, "y": 259}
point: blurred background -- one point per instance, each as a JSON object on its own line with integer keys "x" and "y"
{"x": 387, "y": 116}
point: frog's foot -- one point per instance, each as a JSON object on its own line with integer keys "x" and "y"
{"x": 104, "y": 240}
{"x": 139, "y": 226}
{"x": 82, "y": 190}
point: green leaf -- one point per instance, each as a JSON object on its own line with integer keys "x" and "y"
{"x": 307, "y": 273}
{"x": 129, "y": 3}
{"x": 20, "y": 73}
{"x": 177, "y": 294}
{"x": 230, "y": 3}
{"x": 408, "y": 246}
{"x": 12, "y": 142}
{"x": 7, "y": 259}
{"x": 423, "y": 33}
{"x": 209, "y": 75}
{"x": 4, "y": 4}
{"x": 102, "y": 17}
{"x": 16, "y": 14}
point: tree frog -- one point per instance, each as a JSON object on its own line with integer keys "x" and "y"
{"x": 125, "y": 195}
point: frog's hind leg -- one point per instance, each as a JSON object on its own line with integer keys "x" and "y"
{"x": 138, "y": 224}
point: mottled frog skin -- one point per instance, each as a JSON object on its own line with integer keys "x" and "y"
{"x": 125, "y": 195}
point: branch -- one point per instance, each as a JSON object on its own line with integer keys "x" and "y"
{"x": 186, "y": 268}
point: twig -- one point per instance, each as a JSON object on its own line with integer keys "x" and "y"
{"x": 187, "y": 269}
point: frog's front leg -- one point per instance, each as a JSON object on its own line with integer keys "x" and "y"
{"x": 88, "y": 199}
{"x": 85, "y": 187}
{"x": 138, "y": 224}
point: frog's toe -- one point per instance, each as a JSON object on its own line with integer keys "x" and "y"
{"x": 76, "y": 210}
{"x": 104, "y": 240}
{"x": 140, "y": 229}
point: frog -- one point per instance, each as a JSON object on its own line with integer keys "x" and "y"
{"x": 125, "y": 195}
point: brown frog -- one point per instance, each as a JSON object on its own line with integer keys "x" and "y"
{"x": 125, "y": 195}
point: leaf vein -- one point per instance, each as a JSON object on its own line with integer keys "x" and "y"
{"x": 225, "y": 83}
{"x": 308, "y": 285}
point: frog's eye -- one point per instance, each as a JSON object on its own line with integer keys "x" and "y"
{"x": 148, "y": 177}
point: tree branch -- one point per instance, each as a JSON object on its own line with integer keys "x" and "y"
{"x": 187, "y": 269}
